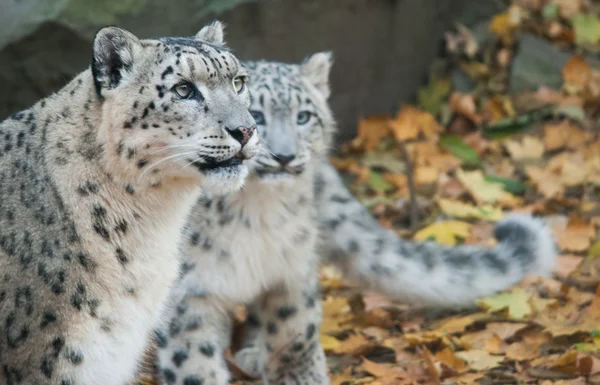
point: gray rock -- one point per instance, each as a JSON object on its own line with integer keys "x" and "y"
{"x": 539, "y": 62}
{"x": 382, "y": 48}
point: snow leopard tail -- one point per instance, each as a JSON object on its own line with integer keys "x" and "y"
{"x": 428, "y": 273}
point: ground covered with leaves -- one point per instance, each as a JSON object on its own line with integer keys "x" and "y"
{"x": 507, "y": 123}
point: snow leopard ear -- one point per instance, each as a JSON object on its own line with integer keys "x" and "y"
{"x": 316, "y": 70}
{"x": 213, "y": 33}
{"x": 113, "y": 56}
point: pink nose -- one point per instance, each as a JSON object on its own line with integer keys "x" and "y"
{"x": 241, "y": 134}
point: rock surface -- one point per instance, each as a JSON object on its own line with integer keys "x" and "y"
{"x": 382, "y": 48}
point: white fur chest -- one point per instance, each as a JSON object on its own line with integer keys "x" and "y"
{"x": 250, "y": 242}
{"x": 134, "y": 270}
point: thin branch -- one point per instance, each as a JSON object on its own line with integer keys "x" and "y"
{"x": 414, "y": 209}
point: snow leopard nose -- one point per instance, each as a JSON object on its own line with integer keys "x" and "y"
{"x": 241, "y": 134}
{"x": 284, "y": 159}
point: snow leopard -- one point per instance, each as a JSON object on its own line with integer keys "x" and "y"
{"x": 261, "y": 247}
{"x": 96, "y": 183}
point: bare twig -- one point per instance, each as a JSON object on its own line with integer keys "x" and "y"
{"x": 414, "y": 209}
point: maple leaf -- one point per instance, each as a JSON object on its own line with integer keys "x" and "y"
{"x": 384, "y": 372}
{"x": 516, "y": 302}
{"x": 546, "y": 181}
{"x": 587, "y": 28}
{"x": 566, "y": 264}
{"x": 528, "y": 148}
{"x": 412, "y": 121}
{"x": 481, "y": 190}
{"x": 480, "y": 359}
{"x": 577, "y": 236}
{"x": 451, "y": 361}
{"x": 371, "y": 131}
{"x": 458, "y": 209}
{"x": 445, "y": 232}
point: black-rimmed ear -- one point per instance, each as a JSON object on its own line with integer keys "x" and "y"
{"x": 316, "y": 70}
{"x": 113, "y": 55}
{"x": 213, "y": 33}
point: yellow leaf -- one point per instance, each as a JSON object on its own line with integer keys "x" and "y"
{"x": 445, "y": 232}
{"x": 500, "y": 26}
{"x": 547, "y": 183}
{"x": 426, "y": 175}
{"x": 463, "y": 210}
{"x": 481, "y": 190}
{"x": 336, "y": 311}
{"x": 356, "y": 344}
{"x": 449, "y": 358}
{"x": 459, "y": 324}
{"x": 528, "y": 148}
{"x": 480, "y": 359}
{"x": 371, "y": 131}
{"x": 504, "y": 24}
{"x": 516, "y": 302}
{"x": 329, "y": 343}
{"x": 412, "y": 121}
{"x": 386, "y": 372}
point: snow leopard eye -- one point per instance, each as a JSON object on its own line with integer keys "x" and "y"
{"x": 239, "y": 84}
{"x": 303, "y": 117}
{"x": 259, "y": 117}
{"x": 184, "y": 90}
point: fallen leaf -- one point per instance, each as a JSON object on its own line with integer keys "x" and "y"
{"x": 515, "y": 301}
{"x": 566, "y": 264}
{"x": 384, "y": 160}
{"x": 568, "y": 8}
{"x": 465, "y": 379}
{"x": 479, "y": 359}
{"x": 455, "y": 324}
{"x": 545, "y": 181}
{"x": 426, "y": 175}
{"x": 495, "y": 345}
{"x": 384, "y": 372}
{"x": 577, "y": 236}
{"x": 511, "y": 185}
{"x": 378, "y": 182}
{"x": 371, "y": 131}
{"x": 528, "y": 148}
{"x": 465, "y": 105}
{"x": 577, "y": 74}
{"x": 329, "y": 343}
{"x": 520, "y": 351}
{"x": 460, "y": 149}
{"x": 444, "y": 232}
{"x": 587, "y": 28}
{"x": 481, "y": 190}
{"x": 449, "y": 358}
{"x": 412, "y": 121}
{"x": 356, "y": 345}
{"x": 458, "y": 209}
{"x": 429, "y": 154}
{"x": 344, "y": 377}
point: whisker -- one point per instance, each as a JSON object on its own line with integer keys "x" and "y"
{"x": 170, "y": 147}
{"x": 192, "y": 162}
{"x": 175, "y": 156}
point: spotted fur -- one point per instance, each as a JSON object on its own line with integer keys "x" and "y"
{"x": 261, "y": 247}
{"x": 96, "y": 182}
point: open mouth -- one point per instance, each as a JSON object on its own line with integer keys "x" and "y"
{"x": 232, "y": 162}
